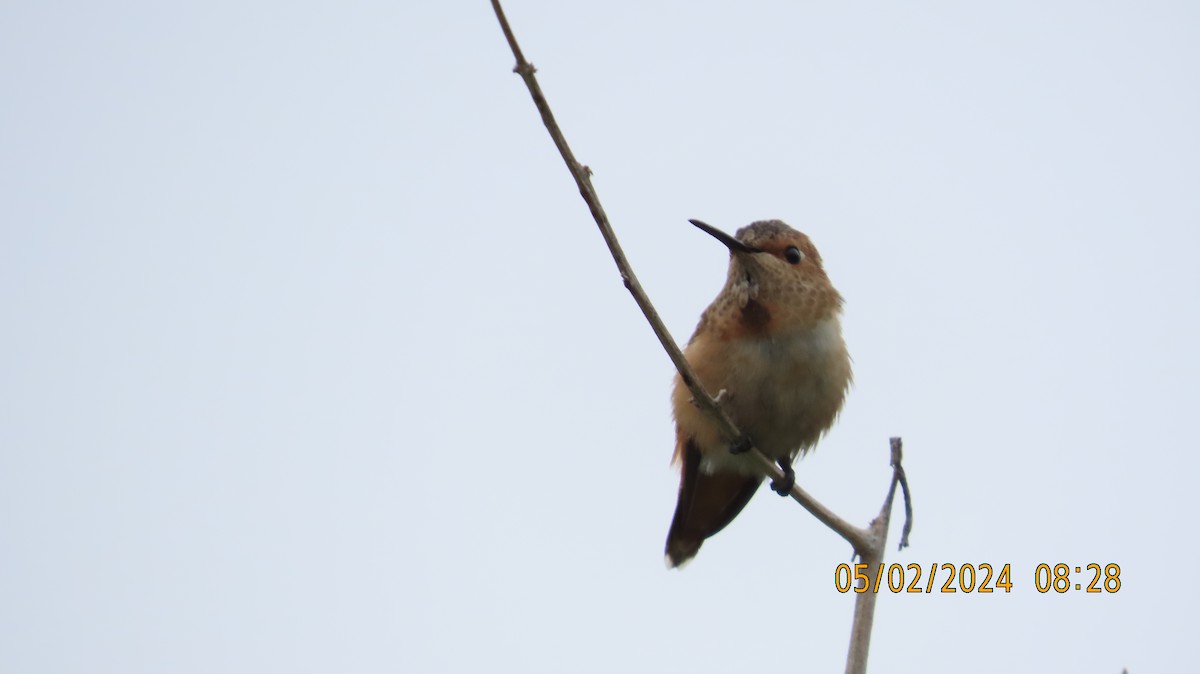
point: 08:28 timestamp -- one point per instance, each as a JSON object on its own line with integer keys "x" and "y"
{"x": 979, "y": 578}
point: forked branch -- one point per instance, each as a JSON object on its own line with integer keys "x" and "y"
{"x": 868, "y": 543}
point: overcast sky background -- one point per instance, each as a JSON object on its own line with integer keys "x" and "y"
{"x": 312, "y": 359}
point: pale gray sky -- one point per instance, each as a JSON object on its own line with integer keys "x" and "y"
{"x": 313, "y": 360}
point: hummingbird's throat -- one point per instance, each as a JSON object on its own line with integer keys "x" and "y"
{"x": 755, "y": 318}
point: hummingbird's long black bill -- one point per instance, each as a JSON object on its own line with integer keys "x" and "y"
{"x": 730, "y": 242}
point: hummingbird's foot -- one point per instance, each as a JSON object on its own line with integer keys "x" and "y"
{"x": 784, "y": 487}
{"x": 741, "y": 446}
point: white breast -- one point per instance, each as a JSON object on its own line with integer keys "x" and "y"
{"x": 787, "y": 390}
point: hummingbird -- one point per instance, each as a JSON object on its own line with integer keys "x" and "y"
{"x": 770, "y": 348}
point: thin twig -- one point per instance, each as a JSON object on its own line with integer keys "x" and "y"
{"x": 583, "y": 180}
{"x": 856, "y": 536}
{"x": 872, "y": 557}
{"x": 898, "y": 470}
{"x": 868, "y": 543}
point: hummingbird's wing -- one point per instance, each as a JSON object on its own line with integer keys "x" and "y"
{"x": 707, "y": 502}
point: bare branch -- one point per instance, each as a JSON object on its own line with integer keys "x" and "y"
{"x": 868, "y": 543}
{"x": 856, "y": 536}
{"x": 583, "y": 180}
{"x": 898, "y": 470}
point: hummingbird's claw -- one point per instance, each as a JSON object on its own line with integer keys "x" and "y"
{"x": 784, "y": 487}
{"x": 741, "y": 446}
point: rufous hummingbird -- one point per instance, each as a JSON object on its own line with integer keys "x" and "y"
{"x": 770, "y": 348}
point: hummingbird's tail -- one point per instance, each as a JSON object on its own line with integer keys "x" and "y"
{"x": 707, "y": 502}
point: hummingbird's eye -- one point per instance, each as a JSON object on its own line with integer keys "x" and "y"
{"x": 793, "y": 255}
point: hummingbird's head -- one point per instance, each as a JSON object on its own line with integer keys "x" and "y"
{"x": 769, "y": 247}
{"x": 776, "y": 271}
